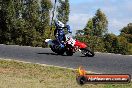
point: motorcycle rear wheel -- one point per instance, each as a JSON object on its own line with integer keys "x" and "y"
{"x": 69, "y": 53}
{"x": 52, "y": 49}
{"x": 59, "y": 51}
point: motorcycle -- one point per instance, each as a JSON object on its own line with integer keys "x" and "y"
{"x": 79, "y": 46}
{"x": 55, "y": 47}
{"x": 71, "y": 46}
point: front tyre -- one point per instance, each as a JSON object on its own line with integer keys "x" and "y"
{"x": 69, "y": 50}
{"x": 87, "y": 52}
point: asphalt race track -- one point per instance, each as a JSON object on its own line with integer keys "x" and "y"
{"x": 100, "y": 63}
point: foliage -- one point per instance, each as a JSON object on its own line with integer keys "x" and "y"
{"x": 130, "y": 48}
{"x": 96, "y": 36}
{"x": 24, "y": 22}
{"x": 97, "y": 26}
{"x": 88, "y": 30}
{"x": 115, "y": 44}
{"x": 93, "y": 42}
{"x": 63, "y": 11}
{"x": 100, "y": 23}
{"x": 79, "y": 32}
{"x": 94, "y": 29}
{"x": 127, "y": 32}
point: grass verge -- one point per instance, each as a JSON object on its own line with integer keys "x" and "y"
{"x": 15, "y": 74}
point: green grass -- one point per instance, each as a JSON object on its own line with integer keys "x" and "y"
{"x": 25, "y": 75}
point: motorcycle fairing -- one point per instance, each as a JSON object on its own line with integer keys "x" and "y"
{"x": 80, "y": 44}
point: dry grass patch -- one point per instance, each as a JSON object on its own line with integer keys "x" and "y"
{"x": 23, "y": 75}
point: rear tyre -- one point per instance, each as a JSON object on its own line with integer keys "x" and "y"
{"x": 87, "y": 52}
{"x": 52, "y": 49}
{"x": 69, "y": 53}
{"x": 60, "y": 51}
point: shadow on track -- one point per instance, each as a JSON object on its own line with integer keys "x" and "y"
{"x": 48, "y": 53}
{"x": 52, "y": 54}
{"x": 88, "y": 56}
{"x": 83, "y": 56}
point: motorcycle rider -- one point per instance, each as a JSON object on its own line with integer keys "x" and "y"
{"x": 59, "y": 32}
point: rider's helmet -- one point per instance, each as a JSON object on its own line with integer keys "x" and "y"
{"x": 59, "y": 24}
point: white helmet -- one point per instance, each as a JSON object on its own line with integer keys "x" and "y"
{"x": 60, "y": 24}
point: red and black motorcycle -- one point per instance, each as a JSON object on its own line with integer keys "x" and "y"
{"x": 71, "y": 46}
{"x": 74, "y": 45}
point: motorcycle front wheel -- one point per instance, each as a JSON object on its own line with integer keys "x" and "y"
{"x": 69, "y": 50}
{"x": 87, "y": 52}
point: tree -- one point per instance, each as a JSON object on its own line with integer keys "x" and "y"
{"x": 123, "y": 45}
{"x": 100, "y": 23}
{"x": 79, "y": 32}
{"x": 127, "y": 32}
{"x": 24, "y": 22}
{"x": 88, "y": 30}
{"x": 7, "y": 21}
{"x": 110, "y": 41}
{"x": 116, "y": 44}
{"x": 94, "y": 30}
{"x": 45, "y": 17}
{"x": 3, "y": 24}
{"x": 63, "y": 11}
